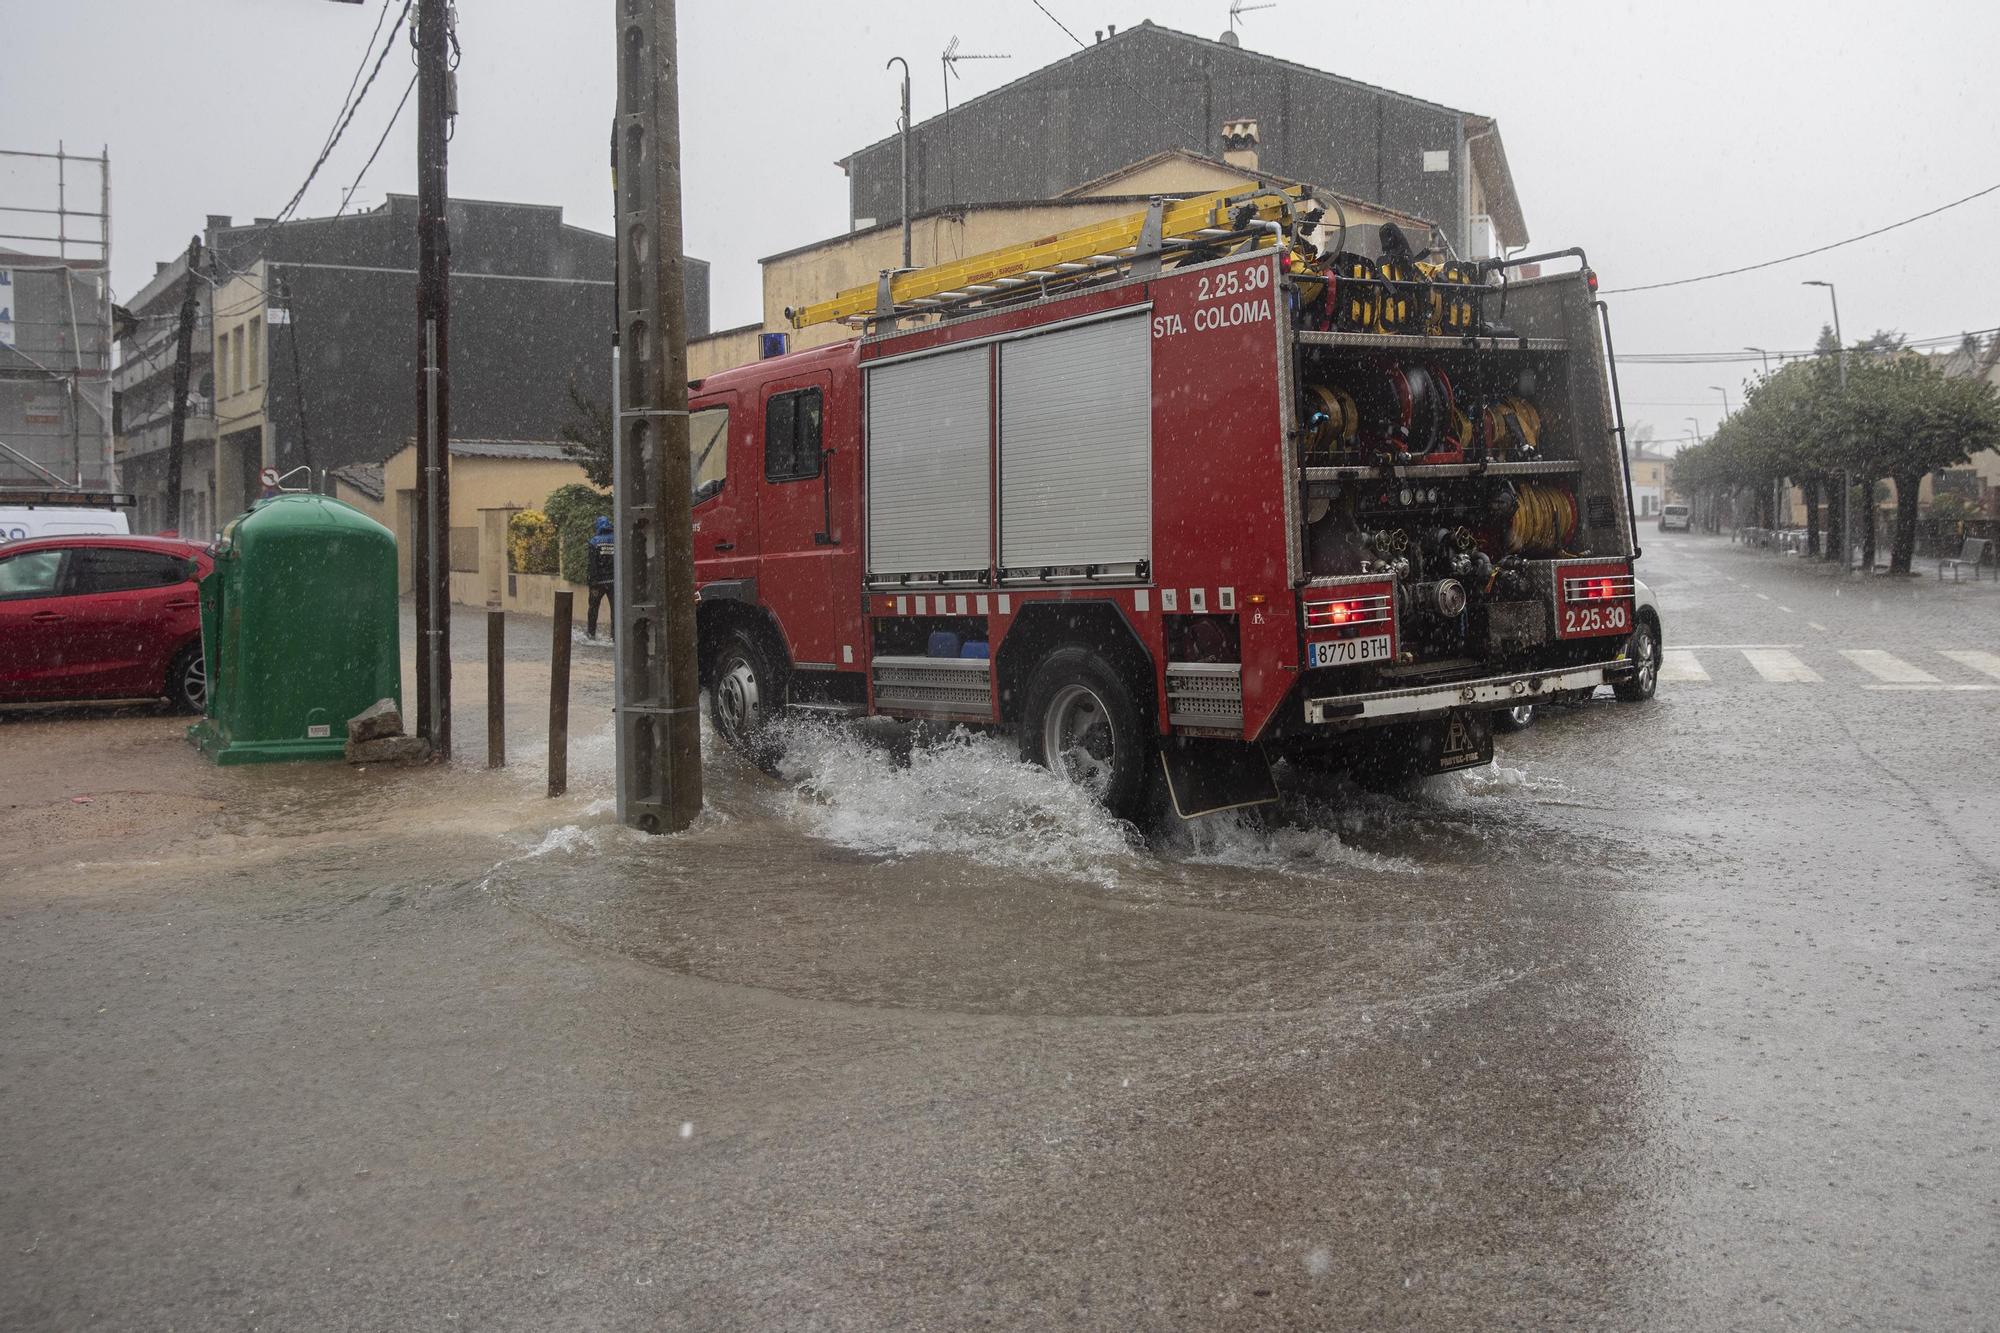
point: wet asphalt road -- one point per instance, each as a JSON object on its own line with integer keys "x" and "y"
{"x": 1682, "y": 1016}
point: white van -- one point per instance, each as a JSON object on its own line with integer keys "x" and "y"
{"x": 1676, "y": 517}
{"x": 25, "y": 514}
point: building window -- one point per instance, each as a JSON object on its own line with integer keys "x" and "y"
{"x": 223, "y": 388}
{"x": 256, "y": 349}
{"x": 791, "y": 435}
{"x": 236, "y": 360}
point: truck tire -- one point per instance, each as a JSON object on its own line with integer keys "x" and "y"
{"x": 1644, "y": 649}
{"x": 187, "y": 680}
{"x": 1518, "y": 718}
{"x": 1081, "y": 722}
{"x": 744, "y": 695}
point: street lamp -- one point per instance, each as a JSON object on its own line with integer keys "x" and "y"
{"x": 1763, "y": 353}
{"x": 1725, "y": 397}
{"x": 1694, "y": 424}
{"x": 1839, "y": 341}
{"x": 1846, "y": 482}
{"x": 904, "y": 127}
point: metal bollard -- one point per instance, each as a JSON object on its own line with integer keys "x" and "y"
{"x": 559, "y": 694}
{"x": 496, "y": 689}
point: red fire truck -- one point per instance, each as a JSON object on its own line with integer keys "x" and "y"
{"x": 1180, "y": 500}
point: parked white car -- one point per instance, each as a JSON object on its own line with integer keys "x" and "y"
{"x": 1633, "y": 678}
{"x": 1676, "y": 518}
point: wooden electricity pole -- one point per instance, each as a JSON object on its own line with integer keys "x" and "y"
{"x": 433, "y": 490}
{"x": 659, "y": 733}
{"x": 170, "y": 516}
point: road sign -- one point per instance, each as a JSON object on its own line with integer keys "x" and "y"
{"x": 269, "y": 476}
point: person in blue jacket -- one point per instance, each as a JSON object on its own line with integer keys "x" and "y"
{"x": 600, "y": 576}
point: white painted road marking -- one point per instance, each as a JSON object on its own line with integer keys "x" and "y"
{"x": 1978, "y": 661}
{"x": 1680, "y": 665}
{"x": 1780, "y": 667}
{"x": 1888, "y": 667}
{"x": 1775, "y": 664}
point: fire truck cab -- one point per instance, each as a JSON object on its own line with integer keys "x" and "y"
{"x": 1187, "y": 514}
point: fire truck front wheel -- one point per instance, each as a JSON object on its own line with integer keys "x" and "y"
{"x": 1081, "y": 722}
{"x": 744, "y": 694}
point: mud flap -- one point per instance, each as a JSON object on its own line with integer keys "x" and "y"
{"x": 1463, "y": 738}
{"x": 1204, "y": 776}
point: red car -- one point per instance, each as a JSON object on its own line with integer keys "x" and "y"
{"x": 102, "y": 617}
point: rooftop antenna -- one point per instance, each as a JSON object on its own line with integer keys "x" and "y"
{"x": 1237, "y": 9}
{"x": 949, "y": 62}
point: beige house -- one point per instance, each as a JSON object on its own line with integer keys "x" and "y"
{"x": 491, "y": 481}
{"x": 241, "y": 377}
{"x": 1652, "y": 481}
{"x": 1984, "y": 486}
{"x": 815, "y": 272}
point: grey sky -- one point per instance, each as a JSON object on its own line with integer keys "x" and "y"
{"x": 1667, "y": 140}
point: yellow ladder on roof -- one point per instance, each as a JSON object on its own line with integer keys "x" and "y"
{"x": 1179, "y": 224}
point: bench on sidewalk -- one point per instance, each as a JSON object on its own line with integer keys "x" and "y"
{"x": 1974, "y": 554}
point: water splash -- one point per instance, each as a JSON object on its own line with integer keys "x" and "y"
{"x": 954, "y": 793}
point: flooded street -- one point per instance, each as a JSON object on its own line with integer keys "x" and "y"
{"x": 1679, "y": 1016}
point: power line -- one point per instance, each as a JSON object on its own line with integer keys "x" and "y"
{"x": 345, "y": 119}
{"x": 394, "y": 117}
{"x": 1059, "y": 23}
{"x": 367, "y": 51}
{"x": 1196, "y": 141}
{"x": 1816, "y": 250}
{"x": 1803, "y": 354}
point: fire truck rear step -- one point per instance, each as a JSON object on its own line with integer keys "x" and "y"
{"x": 939, "y": 686}
{"x": 1208, "y": 695}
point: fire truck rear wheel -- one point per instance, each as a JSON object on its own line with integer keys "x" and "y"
{"x": 1081, "y": 722}
{"x": 744, "y": 695}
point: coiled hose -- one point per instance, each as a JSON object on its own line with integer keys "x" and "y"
{"x": 1544, "y": 519}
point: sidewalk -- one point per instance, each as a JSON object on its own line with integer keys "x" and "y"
{"x": 1923, "y": 569}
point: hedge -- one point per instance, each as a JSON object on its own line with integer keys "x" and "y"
{"x": 531, "y": 543}
{"x": 575, "y": 509}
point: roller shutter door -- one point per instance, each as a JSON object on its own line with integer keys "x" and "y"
{"x": 930, "y": 494}
{"x": 1076, "y": 434}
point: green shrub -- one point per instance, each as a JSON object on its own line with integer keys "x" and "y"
{"x": 531, "y": 543}
{"x": 575, "y": 509}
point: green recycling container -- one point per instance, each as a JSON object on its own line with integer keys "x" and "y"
{"x": 299, "y": 630}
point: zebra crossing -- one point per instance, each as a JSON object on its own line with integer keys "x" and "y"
{"x": 1954, "y": 669}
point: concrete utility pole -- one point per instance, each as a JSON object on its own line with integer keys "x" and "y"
{"x": 433, "y": 498}
{"x": 183, "y": 367}
{"x": 659, "y": 726}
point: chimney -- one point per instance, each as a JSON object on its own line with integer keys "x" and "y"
{"x": 1239, "y": 144}
{"x": 219, "y": 221}
{"x": 1111, "y": 30}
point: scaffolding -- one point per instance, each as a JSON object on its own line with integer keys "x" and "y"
{"x": 56, "y": 320}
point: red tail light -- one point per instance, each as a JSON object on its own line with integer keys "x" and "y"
{"x": 1361, "y": 610}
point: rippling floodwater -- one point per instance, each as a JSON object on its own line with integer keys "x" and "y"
{"x": 930, "y": 867}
